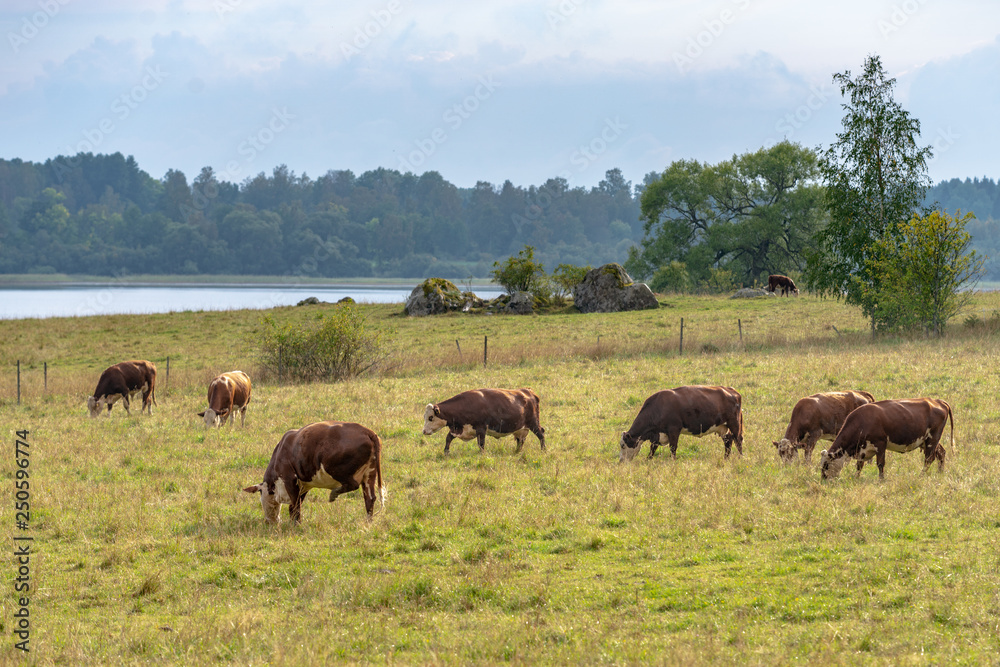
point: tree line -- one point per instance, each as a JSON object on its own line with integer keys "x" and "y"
{"x": 104, "y": 215}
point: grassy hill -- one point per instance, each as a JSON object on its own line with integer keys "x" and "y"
{"x": 146, "y": 549}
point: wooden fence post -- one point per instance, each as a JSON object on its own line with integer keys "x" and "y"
{"x": 166, "y": 386}
{"x": 739, "y": 323}
{"x": 19, "y": 382}
{"x": 459, "y": 350}
{"x": 279, "y": 364}
{"x": 681, "y": 349}
{"x": 45, "y": 377}
{"x": 486, "y": 345}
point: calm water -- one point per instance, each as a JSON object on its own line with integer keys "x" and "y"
{"x": 84, "y": 300}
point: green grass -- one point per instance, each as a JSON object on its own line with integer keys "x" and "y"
{"x": 147, "y": 549}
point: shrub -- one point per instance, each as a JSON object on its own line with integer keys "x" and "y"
{"x": 522, "y": 274}
{"x": 340, "y": 346}
{"x": 671, "y": 278}
{"x": 719, "y": 281}
{"x": 566, "y": 277}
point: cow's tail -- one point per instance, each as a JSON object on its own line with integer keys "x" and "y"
{"x": 951, "y": 420}
{"x": 382, "y": 493}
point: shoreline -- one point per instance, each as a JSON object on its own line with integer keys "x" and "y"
{"x": 28, "y": 281}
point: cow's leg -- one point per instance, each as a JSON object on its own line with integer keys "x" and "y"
{"x": 295, "y": 508}
{"x": 861, "y": 464}
{"x": 540, "y": 434}
{"x": 809, "y": 444}
{"x": 653, "y": 446}
{"x": 345, "y": 487}
{"x": 243, "y": 416}
{"x": 939, "y": 450}
{"x": 369, "y": 492}
{"x": 519, "y": 439}
{"x": 124, "y": 404}
{"x": 447, "y": 442}
{"x": 672, "y": 439}
{"x": 481, "y": 438}
{"x": 931, "y": 454}
{"x": 880, "y": 460}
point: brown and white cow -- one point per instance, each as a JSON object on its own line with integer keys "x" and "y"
{"x": 340, "y": 456}
{"x": 227, "y": 394}
{"x": 899, "y": 425}
{"x": 481, "y": 412}
{"x": 692, "y": 410}
{"x": 122, "y": 381}
{"x": 818, "y": 417}
{"x": 777, "y": 281}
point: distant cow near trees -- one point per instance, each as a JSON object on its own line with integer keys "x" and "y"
{"x": 777, "y": 281}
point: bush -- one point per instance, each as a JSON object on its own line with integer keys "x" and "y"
{"x": 340, "y": 346}
{"x": 671, "y": 278}
{"x": 523, "y": 274}
{"x": 566, "y": 277}
{"x": 719, "y": 281}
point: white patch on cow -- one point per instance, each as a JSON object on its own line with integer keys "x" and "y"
{"x": 627, "y": 453}
{"x": 211, "y": 419}
{"x": 321, "y": 480}
{"x": 902, "y": 449}
{"x": 721, "y": 429}
{"x": 432, "y": 423}
{"x": 830, "y": 466}
{"x": 281, "y": 493}
{"x": 361, "y": 473}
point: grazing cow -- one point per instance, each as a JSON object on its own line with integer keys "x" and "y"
{"x": 694, "y": 410}
{"x": 122, "y": 381}
{"x": 776, "y": 281}
{"x": 333, "y": 455}
{"x": 227, "y": 394}
{"x": 900, "y": 425}
{"x": 818, "y": 417}
{"x": 482, "y": 412}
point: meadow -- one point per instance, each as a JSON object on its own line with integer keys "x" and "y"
{"x": 146, "y": 549}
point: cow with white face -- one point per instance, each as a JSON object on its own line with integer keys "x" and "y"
{"x": 472, "y": 415}
{"x": 227, "y": 394}
{"x": 340, "y": 456}
{"x": 818, "y": 417}
{"x": 897, "y": 425}
{"x": 691, "y": 410}
{"x": 121, "y": 382}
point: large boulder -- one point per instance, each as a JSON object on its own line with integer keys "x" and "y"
{"x": 609, "y": 289}
{"x": 437, "y": 295}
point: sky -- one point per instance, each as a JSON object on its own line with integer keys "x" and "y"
{"x": 494, "y": 91}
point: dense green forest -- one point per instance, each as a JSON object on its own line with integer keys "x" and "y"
{"x": 104, "y": 215}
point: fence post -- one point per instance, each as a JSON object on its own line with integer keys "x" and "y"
{"x": 19, "y": 382}
{"x": 739, "y": 323}
{"x": 681, "y": 349}
{"x": 45, "y": 376}
{"x": 279, "y": 364}
{"x": 486, "y": 344}
{"x": 459, "y": 349}
{"x": 166, "y": 386}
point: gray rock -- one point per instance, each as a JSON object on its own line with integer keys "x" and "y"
{"x": 437, "y": 295}
{"x": 609, "y": 289}
{"x": 518, "y": 303}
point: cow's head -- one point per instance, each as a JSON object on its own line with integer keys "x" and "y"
{"x": 433, "y": 420}
{"x": 786, "y": 450}
{"x": 267, "y": 501}
{"x": 629, "y": 447}
{"x": 212, "y": 418}
{"x": 93, "y": 406}
{"x": 830, "y": 465}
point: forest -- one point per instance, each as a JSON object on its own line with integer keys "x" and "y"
{"x": 102, "y": 215}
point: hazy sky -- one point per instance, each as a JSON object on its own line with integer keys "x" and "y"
{"x": 493, "y": 91}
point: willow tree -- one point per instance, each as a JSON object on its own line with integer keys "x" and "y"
{"x": 876, "y": 178}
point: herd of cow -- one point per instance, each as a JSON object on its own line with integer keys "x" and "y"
{"x": 343, "y": 456}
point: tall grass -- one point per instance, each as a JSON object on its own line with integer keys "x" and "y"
{"x": 149, "y": 551}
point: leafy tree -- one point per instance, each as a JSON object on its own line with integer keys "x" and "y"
{"x": 752, "y": 215}
{"x": 922, "y": 269}
{"x": 566, "y": 277}
{"x": 875, "y": 177}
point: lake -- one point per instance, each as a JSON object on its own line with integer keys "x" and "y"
{"x": 92, "y": 299}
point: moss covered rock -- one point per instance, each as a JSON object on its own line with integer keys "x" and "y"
{"x": 609, "y": 289}
{"x": 437, "y": 295}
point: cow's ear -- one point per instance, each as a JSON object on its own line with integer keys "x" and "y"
{"x": 437, "y": 411}
{"x": 201, "y": 414}
{"x": 252, "y": 489}
{"x": 774, "y": 443}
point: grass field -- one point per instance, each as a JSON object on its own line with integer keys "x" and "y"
{"x": 147, "y": 550}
